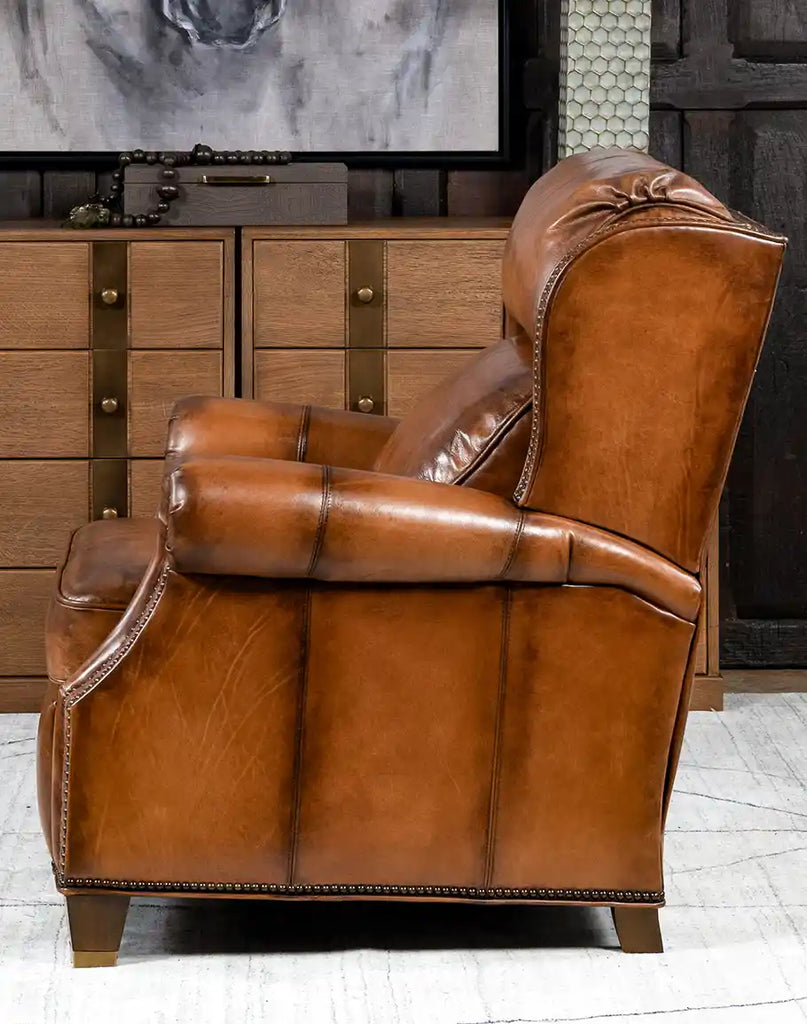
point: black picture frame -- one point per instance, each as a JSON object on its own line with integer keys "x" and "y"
{"x": 439, "y": 159}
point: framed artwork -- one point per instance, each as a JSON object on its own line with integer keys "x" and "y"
{"x": 397, "y": 78}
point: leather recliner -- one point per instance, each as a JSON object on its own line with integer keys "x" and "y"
{"x": 447, "y": 658}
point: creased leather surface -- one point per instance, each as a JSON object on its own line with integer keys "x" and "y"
{"x": 274, "y": 430}
{"x": 644, "y": 378}
{"x": 464, "y": 427}
{"x": 309, "y": 734}
{"x": 258, "y": 517}
{"x": 333, "y": 677}
{"x": 577, "y": 197}
{"x": 106, "y": 561}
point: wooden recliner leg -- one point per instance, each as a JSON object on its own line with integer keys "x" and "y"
{"x": 96, "y": 928}
{"x": 638, "y": 929}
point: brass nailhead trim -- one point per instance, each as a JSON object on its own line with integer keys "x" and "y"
{"x": 467, "y": 892}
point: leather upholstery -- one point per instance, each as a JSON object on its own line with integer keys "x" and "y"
{"x": 314, "y": 522}
{"x": 470, "y": 428}
{"x": 333, "y": 681}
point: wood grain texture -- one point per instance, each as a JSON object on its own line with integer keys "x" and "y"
{"x": 666, "y": 136}
{"x": 707, "y": 694}
{"x": 21, "y": 695}
{"x": 24, "y": 597}
{"x": 41, "y": 503}
{"x": 485, "y": 193}
{"x": 315, "y": 378}
{"x": 145, "y": 487}
{"x": 665, "y": 29}
{"x": 62, "y": 190}
{"x": 418, "y": 193}
{"x": 410, "y": 375}
{"x": 769, "y": 29}
{"x": 176, "y": 294}
{"x": 444, "y": 293}
{"x": 298, "y": 293}
{"x": 44, "y": 404}
{"x": 369, "y": 194}
{"x": 20, "y": 195}
{"x": 157, "y": 380}
{"x": 44, "y": 295}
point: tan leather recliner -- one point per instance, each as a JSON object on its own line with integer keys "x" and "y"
{"x": 326, "y": 671}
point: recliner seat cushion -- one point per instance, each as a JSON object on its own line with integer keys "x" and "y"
{"x": 473, "y": 428}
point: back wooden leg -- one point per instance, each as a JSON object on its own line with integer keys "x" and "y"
{"x": 638, "y": 929}
{"x": 96, "y": 928}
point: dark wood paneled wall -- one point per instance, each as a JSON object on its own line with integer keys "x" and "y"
{"x": 729, "y": 101}
{"x": 729, "y": 98}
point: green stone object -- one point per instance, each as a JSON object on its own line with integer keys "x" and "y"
{"x": 89, "y": 215}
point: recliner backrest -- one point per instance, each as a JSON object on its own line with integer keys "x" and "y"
{"x": 642, "y": 303}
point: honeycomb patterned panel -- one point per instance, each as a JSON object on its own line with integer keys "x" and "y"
{"x": 604, "y": 74}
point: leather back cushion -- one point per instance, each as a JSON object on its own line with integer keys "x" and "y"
{"x": 473, "y": 428}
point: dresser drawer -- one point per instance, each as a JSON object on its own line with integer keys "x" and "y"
{"x": 411, "y": 375}
{"x": 44, "y": 404}
{"x": 157, "y": 380}
{"x": 310, "y": 378}
{"x": 44, "y": 294}
{"x": 298, "y": 293}
{"x": 145, "y": 487}
{"x": 24, "y": 598}
{"x": 176, "y": 294}
{"x": 444, "y": 293}
{"x": 41, "y": 503}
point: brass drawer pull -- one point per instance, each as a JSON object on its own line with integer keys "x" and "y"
{"x": 110, "y": 296}
{"x": 365, "y": 404}
{"x": 109, "y": 405}
{"x": 250, "y": 179}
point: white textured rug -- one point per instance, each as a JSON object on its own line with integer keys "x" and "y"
{"x": 735, "y": 926}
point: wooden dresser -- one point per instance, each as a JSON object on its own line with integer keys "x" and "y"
{"x": 100, "y": 332}
{"x": 367, "y": 317}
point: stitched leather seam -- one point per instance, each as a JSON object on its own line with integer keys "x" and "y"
{"x": 323, "y": 519}
{"x": 522, "y": 516}
{"x": 73, "y": 694}
{"x": 506, "y": 425}
{"x": 493, "y": 812}
{"x": 608, "y": 896}
{"x": 615, "y": 223}
{"x": 536, "y": 434}
{"x": 302, "y": 434}
{"x": 299, "y": 737}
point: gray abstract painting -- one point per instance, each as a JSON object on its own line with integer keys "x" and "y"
{"x": 304, "y": 75}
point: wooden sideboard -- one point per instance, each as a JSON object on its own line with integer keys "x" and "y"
{"x": 100, "y": 332}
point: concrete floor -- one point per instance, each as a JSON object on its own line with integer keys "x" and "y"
{"x": 735, "y": 926}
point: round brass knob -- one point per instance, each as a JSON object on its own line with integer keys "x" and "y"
{"x": 365, "y": 294}
{"x": 109, "y": 296}
{"x": 109, "y": 405}
{"x": 365, "y": 404}
{"x": 109, "y": 513}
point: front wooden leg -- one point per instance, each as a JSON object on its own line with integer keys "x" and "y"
{"x": 96, "y": 928}
{"x": 638, "y": 929}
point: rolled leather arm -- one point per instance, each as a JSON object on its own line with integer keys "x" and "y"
{"x": 272, "y": 430}
{"x": 262, "y": 517}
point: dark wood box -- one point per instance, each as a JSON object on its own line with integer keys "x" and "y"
{"x": 235, "y": 194}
